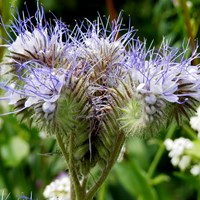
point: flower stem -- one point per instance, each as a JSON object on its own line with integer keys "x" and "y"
{"x": 189, "y": 131}
{"x": 62, "y": 146}
{"x": 5, "y": 178}
{"x": 66, "y": 156}
{"x": 72, "y": 169}
{"x": 118, "y": 145}
{"x": 160, "y": 151}
{"x": 111, "y": 9}
{"x": 189, "y": 28}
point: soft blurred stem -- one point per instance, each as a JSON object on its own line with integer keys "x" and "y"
{"x": 160, "y": 151}
{"x": 5, "y": 12}
{"x": 198, "y": 194}
{"x": 6, "y": 179}
{"x": 111, "y": 9}
{"x": 118, "y": 145}
{"x": 189, "y": 131}
{"x": 102, "y": 192}
{"x": 189, "y": 27}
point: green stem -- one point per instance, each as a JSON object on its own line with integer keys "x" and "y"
{"x": 84, "y": 185}
{"x": 7, "y": 182}
{"x": 118, "y": 145}
{"x": 189, "y": 131}
{"x": 72, "y": 169}
{"x": 160, "y": 151}
{"x": 68, "y": 161}
{"x": 102, "y": 192}
{"x": 62, "y": 147}
{"x": 72, "y": 191}
{"x": 198, "y": 194}
{"x": 189, "y": 28}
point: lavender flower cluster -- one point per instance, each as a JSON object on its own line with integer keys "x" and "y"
{"x": 104, "y": 68}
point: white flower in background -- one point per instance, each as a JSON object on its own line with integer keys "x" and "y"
{"x": 176, "y": 150}
{"x": 195, "y": 121}
{"x": 178, "y": 153}
{"x": 59, "y": 189}
{"x": 195, "y": 170}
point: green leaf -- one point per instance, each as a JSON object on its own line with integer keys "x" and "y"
{"x": 135, "y": 181}
{"x": 159, "y": 179}
{"x": 14, "y": 151}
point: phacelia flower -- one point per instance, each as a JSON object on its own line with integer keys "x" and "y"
{"x": 41, "y": 41}
{"x": 104, "y": 50}
{"x": 39, "y": 85}
{"x": 94, "y": 85}
{"x": 159, "y": 83}
{"x": 62, "y": 81}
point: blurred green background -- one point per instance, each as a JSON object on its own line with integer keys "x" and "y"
{"x": 29, "y": 160}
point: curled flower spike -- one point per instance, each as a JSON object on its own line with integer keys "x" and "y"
{"x": 40, "y": 41}
{"x": 103, "y": 49}
{"x": 38, "y": 88}
{"x": 159, "y": 83}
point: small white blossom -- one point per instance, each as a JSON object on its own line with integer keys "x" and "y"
{"x": 195, "y": 170}
{"x": 59, "y": 189}
{"x": 168, "y": 144}
{"x": 179, "y": 157}
{"x": 176, "y": 150}
{"x": 195, "y": 121}
{"x": 184, "y": 162}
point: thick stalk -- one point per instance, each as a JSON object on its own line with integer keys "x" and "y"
{"x": 72, "y": 170}
{"x": 66, "y": 156}
{"x": 118, "y": 145}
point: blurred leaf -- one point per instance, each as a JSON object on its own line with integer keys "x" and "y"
{"x": 14, "y": 151}
{"x": 134, "y": 180}
{"x": 192, "y": 181}
{"x": 137, "y": 150}
{"x": 159, "y": 179}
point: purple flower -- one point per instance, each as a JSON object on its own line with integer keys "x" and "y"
{"x": 42, "y": 41}
{"x": 100, "y": 61}
{"x": 36, "y": 84}
{"x": 102, "y": 47}
{"x": 160, "y": 83}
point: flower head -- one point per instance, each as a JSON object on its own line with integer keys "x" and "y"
{"x": 41, "y": 41}
{"x": 160, "y": 82}
{"x": 103, "y": 49}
